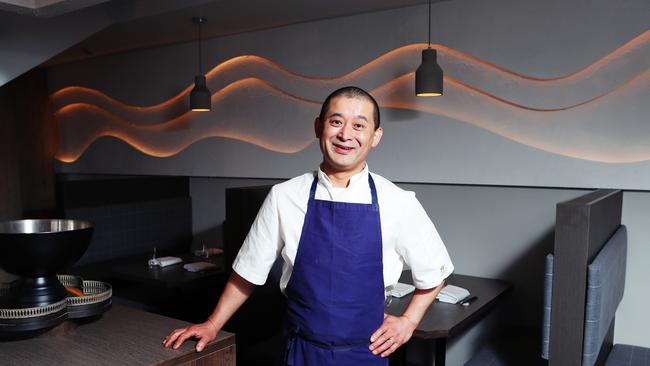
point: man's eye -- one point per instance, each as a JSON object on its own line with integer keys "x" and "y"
{"x": 359, "y": 126}
{"x": 336, "y": 122}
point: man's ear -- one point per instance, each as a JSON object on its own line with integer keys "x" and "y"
{"x": 318, "y": 127}
{"x": 376, "y": 137}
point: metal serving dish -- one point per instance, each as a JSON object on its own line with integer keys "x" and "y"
{"x": 36, "y": 250}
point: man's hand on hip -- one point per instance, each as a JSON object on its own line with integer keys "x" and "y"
{"x": 394, "y": 332}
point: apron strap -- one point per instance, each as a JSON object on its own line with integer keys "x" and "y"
{"x": 312, "y": 191}
{"x": 373, "y": 190}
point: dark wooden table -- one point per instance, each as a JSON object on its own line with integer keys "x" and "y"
{"x": 121, "y": 336}
{"x": 443, "y": 321}
{"x": 137, "y": 270}
{"x": 165, "y": 290}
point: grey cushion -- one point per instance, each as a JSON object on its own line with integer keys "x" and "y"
{"x": 605, "y": 284}
{"x": 548, "y": 290}
{"x": 624, "y": 355}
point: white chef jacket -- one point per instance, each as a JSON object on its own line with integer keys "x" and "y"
{"x": 408, "y": 235}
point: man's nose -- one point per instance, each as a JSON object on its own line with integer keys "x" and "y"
{"x": 346, "y": 132}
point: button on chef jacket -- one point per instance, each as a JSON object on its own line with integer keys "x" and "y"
{"x": 408, "y": 235}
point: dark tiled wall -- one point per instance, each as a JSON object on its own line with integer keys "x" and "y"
{"x": 28, "y": 139}
{"x": 136, "y": 228}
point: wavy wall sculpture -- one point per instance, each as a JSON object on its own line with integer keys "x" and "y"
{"x": 597, "y": 113}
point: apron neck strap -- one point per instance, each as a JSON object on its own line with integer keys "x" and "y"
{"x": 371, "y": 183}
{"x": 373, "y": 190}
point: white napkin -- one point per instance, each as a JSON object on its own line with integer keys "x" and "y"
{"x": 401, "y": 289}
{"x": 164, "y": 261}
{"x": 198, "y": 266}
{"x": 452, "y": 294}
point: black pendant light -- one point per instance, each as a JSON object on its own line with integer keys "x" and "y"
{"x": 200, "y": 96}
{"x": 428, "y": 77}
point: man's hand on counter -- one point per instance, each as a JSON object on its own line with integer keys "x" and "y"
{"x": 235, "y": 293}
{"x": 204, "y": 332}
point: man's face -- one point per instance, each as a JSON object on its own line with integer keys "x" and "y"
{"x": 347, "y": 134}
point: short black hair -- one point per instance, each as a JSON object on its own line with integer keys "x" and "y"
{"x": 350, "y": 92}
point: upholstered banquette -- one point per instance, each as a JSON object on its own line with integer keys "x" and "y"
{"x": 584, "y": 284}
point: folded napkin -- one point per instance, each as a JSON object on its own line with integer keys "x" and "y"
{"x": 401, "y": 289}
{"x": 164, "y": 261}
{"x": 452, "y": 294}
{"x": 199, "y": 266}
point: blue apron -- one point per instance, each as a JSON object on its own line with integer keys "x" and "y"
{"x": 335, "y": 297}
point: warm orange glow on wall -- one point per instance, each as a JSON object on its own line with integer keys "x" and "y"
{"x": 538, "y": 127}
{"x": 373, "y": 74}
{"x": 525, "y": 109}
{"x": 82, "y": 124}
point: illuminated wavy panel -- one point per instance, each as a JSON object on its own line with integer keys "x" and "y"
{"x": 593, "y": 131}
{"x": 169, "y": 109}
{"x": 578, "y": 115}
{"x": 607, "y": 73}
{"x": 591, "y": 82}
{"x": 571, "y": 132}
{"x": 242, "y": 105}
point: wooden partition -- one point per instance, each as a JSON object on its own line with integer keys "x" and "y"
{"x": 582, "y": 227}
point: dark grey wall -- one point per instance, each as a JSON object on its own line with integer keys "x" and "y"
{"x": 28, "y": 140}
{"x": 632, "y": 321}
{"x": 11, "y": 205}
{"x": 209, "y": 206}
{"x": 498, "y": 232}
{"x": 27, "y": 145}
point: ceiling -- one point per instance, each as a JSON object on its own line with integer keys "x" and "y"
{"x": 224, "y": 17}
{"x": 46, "y": 8}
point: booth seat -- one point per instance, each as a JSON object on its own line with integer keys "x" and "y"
{"x": 605, "y": 285}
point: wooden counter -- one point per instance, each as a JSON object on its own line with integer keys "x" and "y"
{"x": 122, "y": 336}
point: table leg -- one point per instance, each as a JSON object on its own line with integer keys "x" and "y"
{"x": 441, "y": 351}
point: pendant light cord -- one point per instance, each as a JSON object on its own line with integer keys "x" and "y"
{"x": 200, "y": 50}
{"x": 429, "y": 24}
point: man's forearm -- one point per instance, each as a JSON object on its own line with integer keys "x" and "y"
{"x": 236, "y": 292}
{"x": 420, "y": 302}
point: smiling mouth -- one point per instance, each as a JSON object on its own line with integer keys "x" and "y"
{"x": 342, "y": 149}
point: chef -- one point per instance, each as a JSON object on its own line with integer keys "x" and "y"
{"x": 344, "y": 234}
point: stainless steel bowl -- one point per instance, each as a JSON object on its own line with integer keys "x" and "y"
{"x": 42, "y": 226}
{"x": 39, "y": 249}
